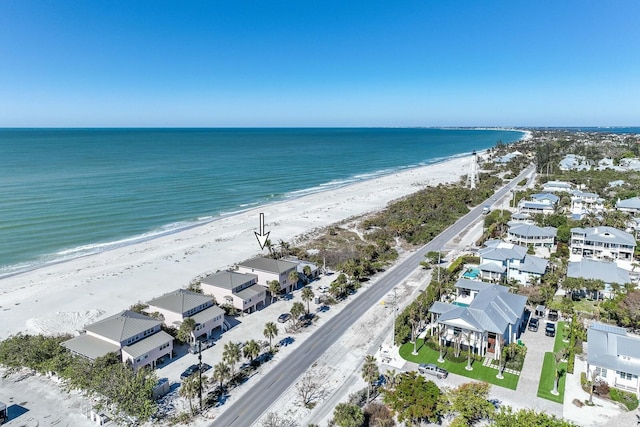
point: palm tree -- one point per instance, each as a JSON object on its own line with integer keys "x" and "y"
{"x": 251, "y": 350}
{"x": 189, "y": 389}
{"x": 390, "y": 379}
{"x": 274, "y": 288}
{"x": 370, "y": 373}
{"x": 294, "y": 277}
{"x": 284, "y": 248}
{"x": 270, "y": 331}
{"x": 269, "y": 246}
{"x": 558, "y": 356}
{"x": 440, "y": 333}
{"x": 467, "y": 337}
{"x": 414, "y": 320}
{"x": 186, "y": 328}
{"x": 221, "y": 372}
{"x": 231, "y": 355}
{"x": 503, "y": 358}
{"x": 307, "y": 296}
{"x": 297, "y": 310}
{"x": 307, "y": 271}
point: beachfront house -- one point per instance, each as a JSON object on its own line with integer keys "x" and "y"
{"x": 178, "y": 305}
{"x": 631, "y": 205}
{"x": 606, "y": 271}
{"x": 603, "y": 243}
{"x": 614, "y": 355}
{"x": 239, "y": 290}
{"x": 529, "y": 234}
{"x": 556, "y": 187}
{"x": 136, "y": 338}
{"x": 502, "y": 261}
{"x": 269, "y": 269}
{"x": 484, "y": 316}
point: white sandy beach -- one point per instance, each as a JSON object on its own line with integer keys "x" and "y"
{"x": 62, "y": 298}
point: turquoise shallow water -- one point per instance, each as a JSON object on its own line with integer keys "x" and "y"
{"x": 66, "y": 193}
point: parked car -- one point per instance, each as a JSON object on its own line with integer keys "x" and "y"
{"x": 550, "y": 330}
{"x": 204, "y": 344}
{"x": 323, "y": 289}
{"x": 194, "y": 369}
{"x": 534, "y": 322}
{"x": 553, "y": 315}
{"x": 283, "y": 317}
{"x": 431, "y": 369}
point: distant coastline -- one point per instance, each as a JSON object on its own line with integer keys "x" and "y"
{"x": 180, "y": 221}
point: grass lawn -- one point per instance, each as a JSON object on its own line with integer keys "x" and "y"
{"x": 561, "y": 333}
{"x": 480, "y": 373}
{"x": 585, "y": 305}
{"x": 547, "y": 378}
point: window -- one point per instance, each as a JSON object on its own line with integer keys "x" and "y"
{"x": 625, "y": 375}
{"x": 601, "y": 372}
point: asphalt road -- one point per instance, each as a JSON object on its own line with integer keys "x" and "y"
{"x": 251, "y": 405}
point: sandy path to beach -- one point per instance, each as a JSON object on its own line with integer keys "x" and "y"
{"x": 64, "y": 297}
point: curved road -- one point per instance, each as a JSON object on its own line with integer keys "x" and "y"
{"x": 251, "y": 405}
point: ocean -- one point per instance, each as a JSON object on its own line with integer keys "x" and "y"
{"x": 66, "y": 193}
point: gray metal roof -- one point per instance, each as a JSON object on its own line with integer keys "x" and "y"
{"x": 605, "y": 327}
{"x": 474, "y": 285}
{"x": 90, "y": 346}
{"x": 228, "y": 279}
{"x": 180, "y": 301}
{"x": 606, "y": 234}
{"x": 531, "y": 230}
{"x": 270, "y": 265}
{"x": 492, "y": 267}
{"x": 493, "y": 309}
{"x": 546, "y": 196}
{"x": 632, "y": 203}
{"x": 502, "y": 251}
{"x": 533, "y": 264}
{"x": 592, "y": 269}
{"x": 441, "y": 307}
{"x": 606, "y": 348}
{"x": 534, "y": 205}
{"x": 149, "y": 343}
{"x": 207, "y": 314}
{"x": 251, "y": 291}
{"x": 123, "y": 325}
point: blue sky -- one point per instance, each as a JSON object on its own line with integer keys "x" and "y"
{"x": 330, "y": 63}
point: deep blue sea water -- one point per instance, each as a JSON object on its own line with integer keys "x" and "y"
{"x": 66, "y": 193}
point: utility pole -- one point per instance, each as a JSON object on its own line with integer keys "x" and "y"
{"x": 200, "y": 373}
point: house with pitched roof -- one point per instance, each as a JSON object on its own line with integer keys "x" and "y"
{"x": 583, "y": 203}
{"x": 506, "y": 261}
{"x": 269, "y": 269}
{"x": 178, "y": 305}
{"x": 240, "y": 290}
{"x": 136, "y": 338}
{"x": 606, "y": 271}
{"x": 631, "y": 205}
{"x": 484, "y": 316}
{"x": 542, "y": 203}
{"x": 614, "y": 355}
{"x": 524, "y": 234}
{"x": 556, "y": 187}
{"x": 603, "y": 243}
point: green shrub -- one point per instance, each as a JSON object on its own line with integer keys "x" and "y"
{"x": 627, "y": 399}
{"x": 460, "y": 359}
{"x": 583, "y": 379}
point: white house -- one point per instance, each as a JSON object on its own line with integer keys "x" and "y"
{"x": 241, "y": 290}
{"x": 631, "y": 205}
{"x": 604, "y": 243}
{"x": 529, "y": 234}
{"x": 269, "y": 269}
{"x": 542, "y": 203}
{"x": 608, "y": 272}
{"x": 483, "y": 316}
{"x": 500, "y": 260}
{"x": 584, "y": 202}
{"x": 178, "y": 305}
{"x": 556, "y": 187}
{"x": 136, "y": 338}
{"x": 614, "y": 355}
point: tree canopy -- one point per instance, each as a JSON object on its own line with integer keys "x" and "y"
{"x": 414, "y": 399}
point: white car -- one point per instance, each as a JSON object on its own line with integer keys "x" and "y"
{"x": 323, "y": 289}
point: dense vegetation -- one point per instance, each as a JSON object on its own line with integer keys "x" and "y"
{"x": 112, "y": 382}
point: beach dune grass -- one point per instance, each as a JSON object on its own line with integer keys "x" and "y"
{"x": 479, "y": 372}
{"x": 547, "y": 378}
